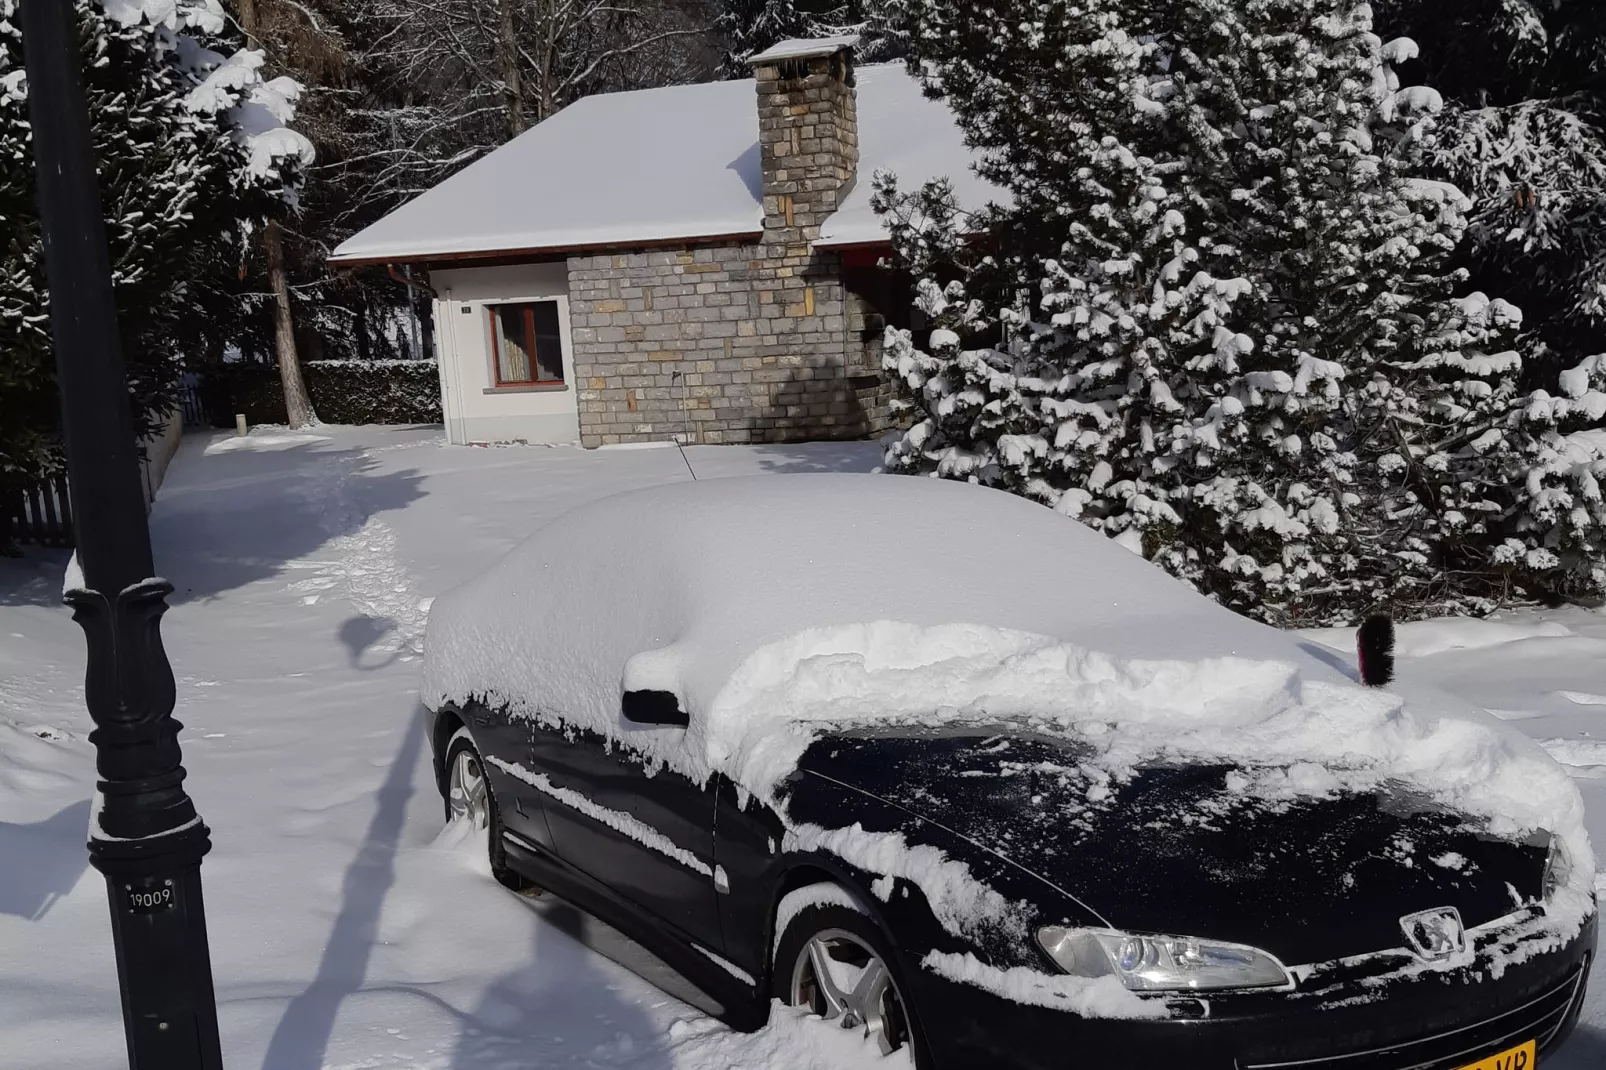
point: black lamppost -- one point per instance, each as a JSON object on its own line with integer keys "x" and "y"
{"x": 146, "y": 837}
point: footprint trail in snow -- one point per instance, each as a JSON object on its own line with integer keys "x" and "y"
{"x": 361, "y": 561}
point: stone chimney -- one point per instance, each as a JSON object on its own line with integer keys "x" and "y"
{"x": 808, "y": 133}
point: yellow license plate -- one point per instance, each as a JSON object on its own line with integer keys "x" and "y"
{"x": 1519, "y": 1058}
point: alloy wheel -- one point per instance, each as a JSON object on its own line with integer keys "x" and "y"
{"x": 841, "y": 978}
{"x": 468, "y": 795}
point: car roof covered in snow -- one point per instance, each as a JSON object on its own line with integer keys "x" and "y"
{"x": 721, "y": 589}
{"x": 733, "y": 564}
{"x": 656, "y": 165}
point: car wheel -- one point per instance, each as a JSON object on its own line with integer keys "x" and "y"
{"x": 469, "y": 798}
{"x": 837, "y": 963}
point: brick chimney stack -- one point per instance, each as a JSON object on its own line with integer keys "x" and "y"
{"x": 808, "y": 134}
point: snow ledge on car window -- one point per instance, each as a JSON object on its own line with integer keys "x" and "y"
{"x": 626, "y": 824}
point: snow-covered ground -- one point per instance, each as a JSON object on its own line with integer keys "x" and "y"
{"x": 347, "y": 932}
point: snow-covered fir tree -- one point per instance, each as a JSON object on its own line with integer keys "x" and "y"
{"x": 1219, "y": 322}
{"x": 1523, "y": 135}
{"x": 192, "y": 148}
{"x": 751, "y": 26}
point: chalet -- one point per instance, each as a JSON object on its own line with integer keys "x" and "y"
{"x": 693, "y": 263}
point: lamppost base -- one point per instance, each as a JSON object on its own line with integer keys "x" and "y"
{"x": 159, "y": 931}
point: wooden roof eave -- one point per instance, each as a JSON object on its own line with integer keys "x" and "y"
{"x": 486, "y": 257}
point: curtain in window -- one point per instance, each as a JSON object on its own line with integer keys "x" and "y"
{"x": 512, "y": 345}
{"x": 529, "y": 345}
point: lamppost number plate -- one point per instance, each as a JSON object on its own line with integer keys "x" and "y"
{"x": 152, "y": 899}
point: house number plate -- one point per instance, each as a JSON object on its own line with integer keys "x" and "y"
{"x": 149, "y": 898}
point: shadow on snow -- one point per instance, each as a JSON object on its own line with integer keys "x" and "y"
{"x": 554, "y": 1010}
{"x": 43, "y": 860}
{"x": 301, "y": 1038}
{"x": 243, "y": 515}
{"x": 360, "y": 633}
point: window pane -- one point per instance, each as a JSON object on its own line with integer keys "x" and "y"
{"x": 512, "y": 353}
{"x": 548, "y": 343}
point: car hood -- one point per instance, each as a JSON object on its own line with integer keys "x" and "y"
{"x": 1182, "y": 849}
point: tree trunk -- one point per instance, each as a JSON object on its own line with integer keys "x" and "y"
{"x": 297, "y": 409}
{"x": 512, "y": 87}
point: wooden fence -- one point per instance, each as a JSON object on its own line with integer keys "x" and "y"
{"x": 190, "y": 404}
{"x": 39, "y": 514}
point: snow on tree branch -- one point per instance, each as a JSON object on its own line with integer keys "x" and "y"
{"x": 258, "y": 112}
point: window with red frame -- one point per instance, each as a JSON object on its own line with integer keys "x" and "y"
{"x": 527, "y": 349}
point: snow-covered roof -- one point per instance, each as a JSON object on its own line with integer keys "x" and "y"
{"x": 903, "y": 131}
{"x": 803, "y": 47}
{"x": 657, "y": 165}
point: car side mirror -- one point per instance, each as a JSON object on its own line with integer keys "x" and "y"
{"x": 654, "y": 707}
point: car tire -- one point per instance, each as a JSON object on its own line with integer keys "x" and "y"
{"x": 469, "y": 797}
{"x": 876, "y": 1003}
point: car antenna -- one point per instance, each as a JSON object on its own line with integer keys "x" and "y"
{"x": 1374, "y": 649}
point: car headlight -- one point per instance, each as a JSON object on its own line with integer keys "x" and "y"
{"x": 1558, "y": 867}
{"x": 1152, "y": 963}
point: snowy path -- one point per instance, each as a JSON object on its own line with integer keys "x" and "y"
{"x": 346, "y": 932}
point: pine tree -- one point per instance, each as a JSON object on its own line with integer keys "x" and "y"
{"x": 1219, "y": 320}
{"x": 189, "y": 142}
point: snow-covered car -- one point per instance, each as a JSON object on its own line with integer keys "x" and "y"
{"x": 958, "y": 772}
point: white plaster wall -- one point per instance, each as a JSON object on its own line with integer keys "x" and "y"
{"x": 159, "y": 451}
{"x": 475, "y": 411}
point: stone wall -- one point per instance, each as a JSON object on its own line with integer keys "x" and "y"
{"x": 718, "y": 344}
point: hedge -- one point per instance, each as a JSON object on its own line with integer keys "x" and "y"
{"x": 342, "y": 392}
